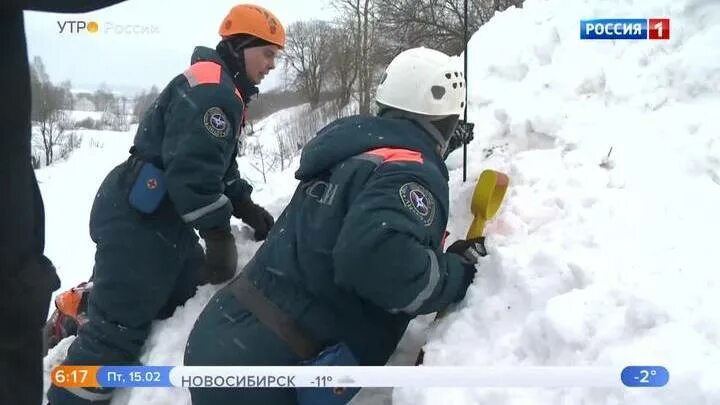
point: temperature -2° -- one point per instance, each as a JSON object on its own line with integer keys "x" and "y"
{"x": 645, "y": 376}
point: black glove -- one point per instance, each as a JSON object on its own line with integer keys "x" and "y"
{"x": 255, "y": 216}
{"x": 469, "y": 251}
{"x": 220, "y": 255}
{"x": 464, "y": 134}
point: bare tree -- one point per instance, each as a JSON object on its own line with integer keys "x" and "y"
{"x": 377, "y": 30}
{"x": 307, "y": 53}
{"x": 300, "y": 129}
{"x": 48, "y": 104}
{"x": 46, "y": 96}
{"x": 364, "y": 17}
{"x": 143, "y": 102}
{"x": 104, "y": 99}
{"x": 68, "y": 100}
{"x": 266, "y": 162}
{"x": 123, "y": 112}
{"x": 38, "y": 78}
{"x": 35, "y": 161}
{"x": 52, "y": 129}
{"x": 72, "y": 142}
{"x": 284, "y": 151}
{"x": 343, "y": 65}
{"x": 437, "y": 24}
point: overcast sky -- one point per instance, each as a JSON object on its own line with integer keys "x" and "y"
{"x": 168, "y": 30}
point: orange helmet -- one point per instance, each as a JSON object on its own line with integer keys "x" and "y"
{"x": 253, "y": 20}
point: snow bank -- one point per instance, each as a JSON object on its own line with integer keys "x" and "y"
{"x": 613, "y": 264}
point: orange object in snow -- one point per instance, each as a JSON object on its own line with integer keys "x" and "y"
{"x": 69, "y": 302}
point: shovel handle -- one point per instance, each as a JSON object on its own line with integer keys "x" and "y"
{"x": 487, "y": 198}
{"x": 476, "y": 228}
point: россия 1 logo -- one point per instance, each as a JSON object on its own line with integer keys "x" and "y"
{"x": 625, "y": 28}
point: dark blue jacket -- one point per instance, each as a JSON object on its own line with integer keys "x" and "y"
{"x": 192, "y": 132}
{"x": 357, "y": 253}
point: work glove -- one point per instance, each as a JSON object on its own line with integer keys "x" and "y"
{"x": 470, "y": 251}
{"x": 255, "y": 216}
{"x": 464, "y": 134}
{"x": 220, "y": 255}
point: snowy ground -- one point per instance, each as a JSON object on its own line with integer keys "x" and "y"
{"x": 590, "y": 264}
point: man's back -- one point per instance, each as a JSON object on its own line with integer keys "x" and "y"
{"x": 349, "y": 203}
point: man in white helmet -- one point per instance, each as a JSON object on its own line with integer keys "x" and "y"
{"x": 358, "y": 251}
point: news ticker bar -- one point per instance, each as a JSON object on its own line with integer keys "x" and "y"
{"x": 361, "y": 376}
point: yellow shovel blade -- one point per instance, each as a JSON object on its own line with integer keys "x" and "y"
{"x": 486, "y": 201}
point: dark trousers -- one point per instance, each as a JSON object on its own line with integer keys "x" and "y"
{"x": 24, "y": 302}
{"x": 226, "y": 334}
{"x": 145, "y": 266}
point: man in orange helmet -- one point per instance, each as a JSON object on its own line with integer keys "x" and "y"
{"x": 181, "y": 177}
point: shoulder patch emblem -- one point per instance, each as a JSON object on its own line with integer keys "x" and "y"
{"x": 215, "y": 122}
{"x": 419, "y": 201}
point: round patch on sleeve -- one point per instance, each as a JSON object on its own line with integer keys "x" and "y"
{"x": 419, "y": 201}
{"x": 216, "y": 122}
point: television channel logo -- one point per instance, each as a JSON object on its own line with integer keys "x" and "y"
{"x": 625, "y": 28}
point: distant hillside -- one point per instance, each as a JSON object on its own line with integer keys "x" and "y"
{"x": 275, "y": 100}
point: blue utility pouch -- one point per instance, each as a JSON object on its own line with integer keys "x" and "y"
{"x": 148, "y": 189}
{"x": 335, "y": 355}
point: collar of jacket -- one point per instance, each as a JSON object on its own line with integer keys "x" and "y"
{"x": 422, "y": 122}
{"x": 236, "y": 70}
{"x": 236, "y": 66}
{"x": 350, "y": 136}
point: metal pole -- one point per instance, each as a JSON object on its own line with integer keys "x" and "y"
{"x": 465, "y": 42}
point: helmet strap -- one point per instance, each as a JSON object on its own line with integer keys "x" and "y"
{"x": 234, "y": 58}
{"x": 440, "y": 128}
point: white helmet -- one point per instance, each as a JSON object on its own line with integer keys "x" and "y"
{"x": 423, "y": 81}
